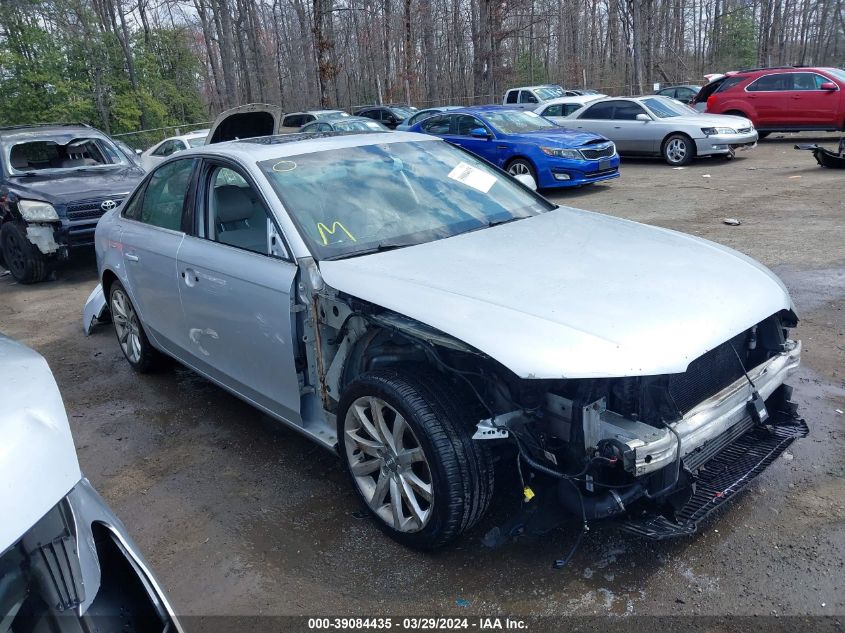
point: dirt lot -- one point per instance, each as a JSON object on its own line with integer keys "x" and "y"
{"x": 240, "y": 516}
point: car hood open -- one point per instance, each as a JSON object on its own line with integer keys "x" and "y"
{"x": 572, "y": 294}
{"x": 38, "y": 464}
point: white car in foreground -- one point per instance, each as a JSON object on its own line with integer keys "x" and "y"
{"x": 67, "y": 563}
{"x": 169, "y": 146}
{"x": 424, "y": 314}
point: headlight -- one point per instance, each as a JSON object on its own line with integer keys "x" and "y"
{"x": 35, "y": 211}
{"x": 709, "y": 131}
{"x": 561, "y": 153}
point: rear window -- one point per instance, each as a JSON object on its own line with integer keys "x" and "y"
{"x": 63, "y": 153}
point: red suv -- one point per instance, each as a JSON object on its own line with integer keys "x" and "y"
{"x": 784, "y": 99}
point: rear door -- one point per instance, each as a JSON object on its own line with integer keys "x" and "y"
{"x": 236, "y": 291}
{"x": 771, "y": 97}
{"x": 247, "y": 121}
{"x": 153, "y": 229}
{"x": 598, "y": 118}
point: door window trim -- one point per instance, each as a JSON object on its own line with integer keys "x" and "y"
{"x": 142, "y": 191}
{"x": 200, "y": 202}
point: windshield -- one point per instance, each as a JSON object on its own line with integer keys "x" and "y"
{"x": 668, "y": 108}
{"x": 59, "y": 153}
{"x": 354, "y": 200}
{"x": 517, "y": 121}
{"x": 403, "y": 113}
{"x": 836, "y": 72}
{"x": 366, "y": 125}
{"x": 549, "y": 92}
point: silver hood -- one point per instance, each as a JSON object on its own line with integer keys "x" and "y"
{"x": 572, "y": 294}
{"x": 38, "y": 465}
{"x": 713, "y": 120}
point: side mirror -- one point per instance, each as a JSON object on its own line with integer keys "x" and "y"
{"x": 479, "y": 132}
{"x": 829, "y": 85}
{"x": 527, "y": 180}
{"x": 643, "y": 117}
{"x": 139, "y": 152}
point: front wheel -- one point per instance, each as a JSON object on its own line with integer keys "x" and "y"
{"x": 522, "y": 167}
{"x": 405, "y": 442}
{"x": 130, "y": 333}
{"x": 678, "y": 149}
{"x": 27, "y": 264}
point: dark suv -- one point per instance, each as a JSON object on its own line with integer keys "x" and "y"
{"x": 785, "y": 99}
{"x": 55, "y": 183}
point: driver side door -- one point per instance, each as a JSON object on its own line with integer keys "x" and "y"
{"x": 460, "y": 134}
{"x": 236, "y": 284}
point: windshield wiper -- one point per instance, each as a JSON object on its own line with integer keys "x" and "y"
{"x": 505, "y": 220}
{"x": 381, "y": 247}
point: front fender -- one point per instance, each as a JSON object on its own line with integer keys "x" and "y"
{"x": 95, "y": 309}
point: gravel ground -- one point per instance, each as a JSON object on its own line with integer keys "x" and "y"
{"x": 240, "y": 516}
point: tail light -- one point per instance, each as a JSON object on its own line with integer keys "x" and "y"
{"x": 710, "y": 101}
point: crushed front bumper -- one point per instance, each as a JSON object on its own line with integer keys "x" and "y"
{"x": 652, "y": 449}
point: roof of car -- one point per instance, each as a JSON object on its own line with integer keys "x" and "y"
{"x": 45, "y": 129}
{"x": 282, "y": 145}
{"x": 572, "y": 99}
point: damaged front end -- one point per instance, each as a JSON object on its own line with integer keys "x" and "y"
{"x": 660, "y": 452}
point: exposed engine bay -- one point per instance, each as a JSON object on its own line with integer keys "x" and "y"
{"x": 634, "y": 447}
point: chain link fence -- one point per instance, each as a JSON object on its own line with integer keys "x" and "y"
{"x": 143, "y": 139}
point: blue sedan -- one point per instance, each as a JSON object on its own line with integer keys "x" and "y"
{"x": 525, "y": 143}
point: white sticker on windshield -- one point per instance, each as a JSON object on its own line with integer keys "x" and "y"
{"x": 473, "y": 177}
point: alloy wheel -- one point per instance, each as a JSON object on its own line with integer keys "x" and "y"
{"x": 126, "y": 325}
{"x": 388, "y": 464}
{"x": 676, "y": 150}
{"x": 519, "y": 169}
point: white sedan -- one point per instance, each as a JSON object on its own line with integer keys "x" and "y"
{"x": 157, "y": 153}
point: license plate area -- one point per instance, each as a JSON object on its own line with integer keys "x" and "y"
{"x": 604, "y": 163}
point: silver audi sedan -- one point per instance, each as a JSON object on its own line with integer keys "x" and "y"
{"x": 429, "y": 316}
{"x": 659, "y": 126}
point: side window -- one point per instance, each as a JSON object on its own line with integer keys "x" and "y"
{"x": 554, "y": 110}
{"x": 132, "y": 209}
{"x": 807, "y": 81}
{"x": 684, "y": 94}
{"x": 436, "y": 125}
{"x": 235, "y": 213}
{"x": 599, "y": 111}
{"x": 178, "y": 146}
{"x": 291, "y": 120}
{"x": 164, "y": 198}
{"x": 307, "y": 118}
{"x": 772, "y": 83}
{"x": 323, "y": 127}
{"x": 513, "y": 96}
{"x": 370, "y": 114}
{"x": 626, "y": 111}
{"x": 569, "y": 108}
{"x": 525, "y": 96}
{"x": 165, "y": 149}
{"x": 466, "y": 124}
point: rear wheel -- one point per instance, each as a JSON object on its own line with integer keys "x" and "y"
{"x": 27, "y": 264}
{"x": 678, "y": 149}
{"x": 405, "y": 443}
{"x": 130, "y": 333}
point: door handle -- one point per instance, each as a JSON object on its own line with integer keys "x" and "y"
{"x": 131, "y": 257}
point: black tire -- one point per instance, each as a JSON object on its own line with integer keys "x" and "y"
{"x": 762, "y": 135}
{"x": 678, "y": 150}
{"x": 25, "y": 262}
{"x": 522, "y": 163}
{"x": 147, "y": 358}
{"x": 461, "y": 468}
